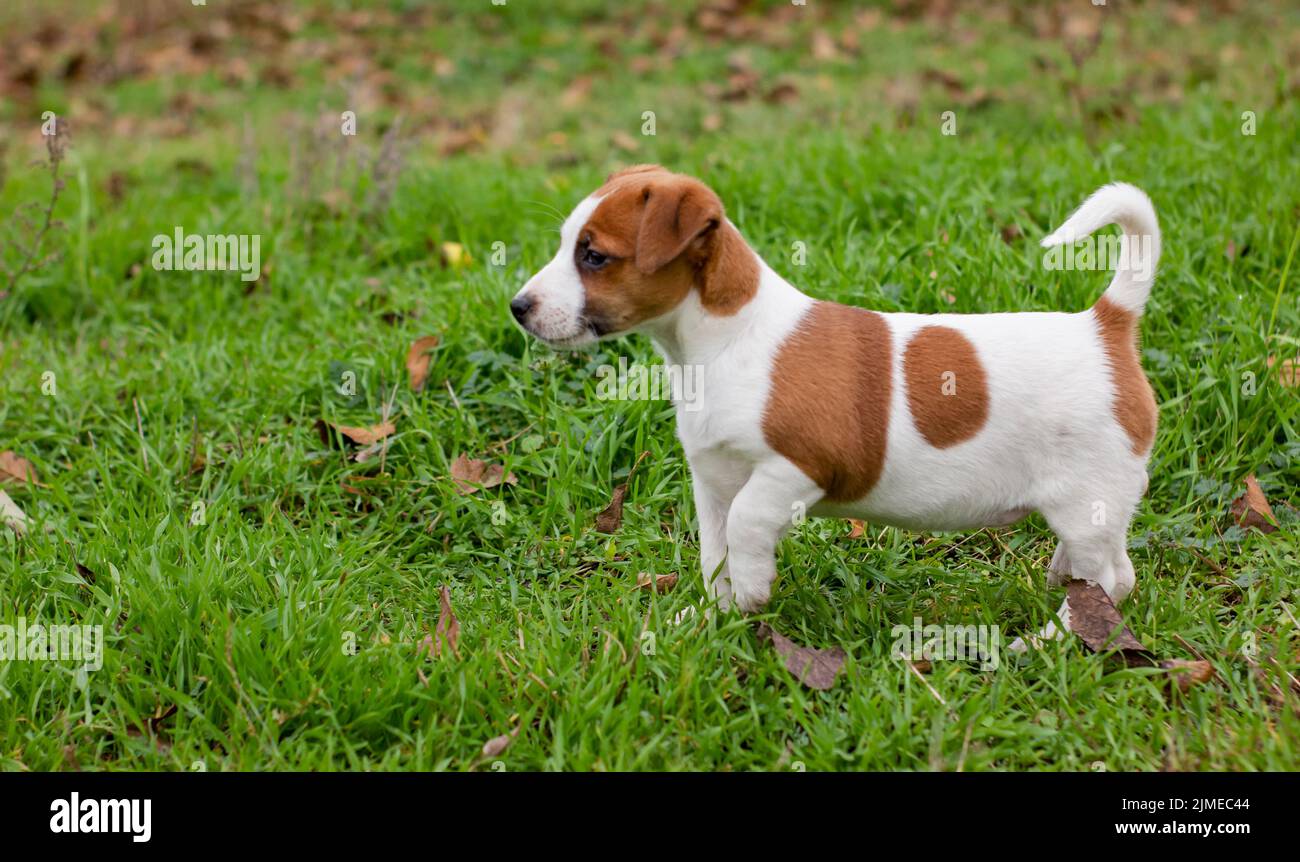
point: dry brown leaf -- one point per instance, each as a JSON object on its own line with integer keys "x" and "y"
{"x": 460, "y": 141}
{"x": 448, "y": 626}
{"x": 1189, "y": 673}
{"x": 472, "y": 475}
{"x": 333, "y": 200}
{"x": 12, "y": 516}
{"x": 16, "y": 469}
{"x": 782, "y": 93}
{"x": 741, "y": 85}
{"x": 198, "y": 462}
{"x": 1251, "y": 509}
{"x": 823, "y": 46}
{"x": 624, "y": 141}
{"x": 359, "y": 436}
{"x": 658, "y": 583}
{"x": 577, "y": 91}
{"x": 815, "y": 668}
{"x": 611, "y": 517}
{"x": 366, "y": 436}
{"x": 950, "y": 82}
{"x": 902, "y": 93}
{"x": 446, "y": 635}
{"x": 418, "y": 360}
{"x": 1183, "y": 16}
{"x": 1096, "y": 620}
{"x": 498, "y": 744}
{"x": 1288, "y": 372}
{"x": 857, "y": 529}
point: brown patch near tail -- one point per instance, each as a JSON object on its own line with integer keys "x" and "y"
{"x": 1135, "y": 403}
{"x": 947, "y": 389}
{"x": 828, "y": 410}
{"x": 665, "y": 233}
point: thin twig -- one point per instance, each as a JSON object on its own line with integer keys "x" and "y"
{"x": 1218, "y": 570}
{"x": 925, "y": 682}
{"x": 1190, "y": 648}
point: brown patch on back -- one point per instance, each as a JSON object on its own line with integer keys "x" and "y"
{"x": 828, "y": 410}
{"x": 947, "y": 388}
{"x": 1135, "y": 403}
{"x": 665, "y": 233}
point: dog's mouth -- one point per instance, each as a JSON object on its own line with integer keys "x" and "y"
{"x": 589, "y": 330}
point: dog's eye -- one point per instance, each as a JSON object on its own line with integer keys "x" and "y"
{"x": 593, "y": 259}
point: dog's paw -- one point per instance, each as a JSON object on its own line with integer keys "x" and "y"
{"x": 748, "y": 599}
{"x": 1059, "y": 569}
{"x": 721, "y": 590}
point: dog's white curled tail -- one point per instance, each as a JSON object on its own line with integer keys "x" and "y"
{"x": 1139, "y": 245}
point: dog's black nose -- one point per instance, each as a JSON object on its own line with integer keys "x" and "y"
{"x": 520, "y": 306}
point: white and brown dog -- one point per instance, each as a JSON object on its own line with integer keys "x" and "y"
{"x": 929, "y": 422}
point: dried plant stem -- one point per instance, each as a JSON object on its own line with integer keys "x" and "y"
{"x": 29, "y": 259}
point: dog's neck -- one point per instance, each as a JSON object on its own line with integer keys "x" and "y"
{"x": 736, "y": 291}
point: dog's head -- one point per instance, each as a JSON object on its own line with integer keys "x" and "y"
{"x": 631, "y": 253}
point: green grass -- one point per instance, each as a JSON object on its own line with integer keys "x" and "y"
{"x": 240, "y": 622}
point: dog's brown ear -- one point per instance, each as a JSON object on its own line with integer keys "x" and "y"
{"x": 678, "y": 210}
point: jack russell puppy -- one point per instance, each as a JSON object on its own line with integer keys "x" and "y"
{"x": 922, "y": 421}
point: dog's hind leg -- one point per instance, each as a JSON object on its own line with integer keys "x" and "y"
{"x": 1058, "y": 570}
{"x": 1093, "y": 528}
{"x": 1093, "y": 531}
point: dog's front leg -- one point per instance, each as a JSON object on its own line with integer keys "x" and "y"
{"x": 776, "y": 496}
{"x": 711, "y": 508}
{"x": 716, "y": 478}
